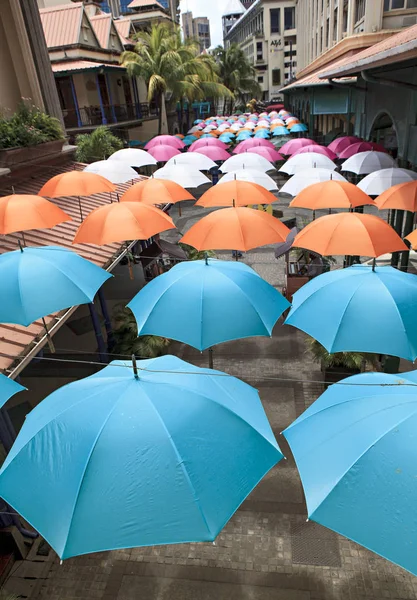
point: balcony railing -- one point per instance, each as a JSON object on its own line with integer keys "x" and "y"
{"x": 90, "y": 116}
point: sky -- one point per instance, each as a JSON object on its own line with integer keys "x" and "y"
{"x": 212, "y": 9}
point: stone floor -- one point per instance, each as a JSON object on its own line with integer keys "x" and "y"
{"x": 267, "y": 551}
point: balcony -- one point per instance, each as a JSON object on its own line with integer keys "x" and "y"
{"x": 91, "y": 116}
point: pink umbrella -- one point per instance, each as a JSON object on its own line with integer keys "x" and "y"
{"x": 162, "y": 152}
{"x": 360, "y": 147}
{"x": 339, "y": 144}
{"x": 166, "y": 140}
{"x": 207, "y": 142}
{"x": 268, "y": 153}
{"x": 318, "y": 150}
{"x": 213, "y": 152}
{"x": 294, "y": 145}
{"x": 253, "y": 143}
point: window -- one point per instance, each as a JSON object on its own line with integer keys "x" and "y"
{"x": 260, "y": 79}
{"x": 396, "y": 4}
{"x": 259, "y": 50}
{"x": 289, "y": 18}
{"x": 276, "y": 75}
{"x": 274, "y": 15}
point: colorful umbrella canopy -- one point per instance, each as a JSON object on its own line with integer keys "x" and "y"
{"x": 163, "y": 152}
{"x": 378, "y": 182}
{"x": 156, "y": 191}
{"x": 183, "y": 175}
{"x": 331, "y": 194}
{"x": 20, "y": 212}
{"x": 122, "y": 221}
{"x": 262, "y": 134}
{"x": 195, "y": 160}
{"x": 280, "y": 131}
{"x": 8, "y": 388}
{"x": 293, "y": 145}
{"x": 166, "y": 140}
{"x": 189, "y": 139}
{"x": 247, "y": 160}
{"x": 301, "y": 162}
{"x": 39, "y": 281}
{"x": 235, "y": 229}
{"x": 76, "y": 183}
{"x": 236, "y": 193}
{"x": 114, "y": 171}
{"x": 207, "y": 142}
{"x": 355, "y": 451}
{"x": 297, "y": 128}
{"x": 402, "y": 196}
{"x": 305, "y": 178}
{"x": 253, "y": 143}
{"x": 317, "y": 150}
{"x": 353, "y": 234}
{"x": 270, "y": 154}
{"x": 133, "y": 157}
{"x": 195, "y": 436}
{"x": 349, "y": 305}
{"x": 213, "y": 152}
{"x": 252, "y": 176}
{"x": 360, "y": 147}
{"x": 340, "y": 143}
{"x": 412, "y": 238}
{"x": 367, "y": 162}
{"x": 204, "y": 303}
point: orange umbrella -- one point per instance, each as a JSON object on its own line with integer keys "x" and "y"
{"x": 180, "y": 135}
{"x": 290, "y": 125}
{"x": 235, "y": 229}
{"x": 412, "y": 238}
{"x": 331, "y": 194}
{"x": 21, "y": 212}
{"x": 352, "y": 234}
{"x": 122, "y": 221}
{"x": 236, "y": 193}
{"x": 76, "y": 183}
{"x": 402, "y": 196}
{"x": 156, "y": 191}
{"x": 260, "y": 127}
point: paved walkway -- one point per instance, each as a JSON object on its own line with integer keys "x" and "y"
{"x": 267, "y": 551}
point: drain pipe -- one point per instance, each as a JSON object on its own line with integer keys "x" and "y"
{"x": 388, "y": 82}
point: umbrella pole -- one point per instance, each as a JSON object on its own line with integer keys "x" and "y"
{"x": 210, "y": 358}
{"x": 81, "y": 210}
{"x": 179, "y": 209}
{"x": 23, "y": 238}
{"x": 48, "y": 336}
{"x": 135, "y": 368}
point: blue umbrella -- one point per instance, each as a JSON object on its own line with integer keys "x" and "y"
{"x": 243, "y": 135}
{"x": 298, "y": 127}
{"x": 360, "y": 309}
{"x": 189, "y": 139}
{"x": 355, "y": 449}
{"x": 198, "y": 121}
{"x": 262, "y": 133}
{"x": 280, "y": 131}
{"x": 204, "y": 303}
{"x": 39, "y": 281}
{"x": 120, "y": 460}
{"x": 8, "y": 388}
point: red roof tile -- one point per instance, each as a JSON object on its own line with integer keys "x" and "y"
{"x": 61, "y": 24}
{"x": 101, "y": 25}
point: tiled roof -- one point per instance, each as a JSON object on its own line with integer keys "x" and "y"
{"x": 61, "y": 24}
{"x": 314, "y": 78}
{"x": 393, "y": 49}
{"x": 81, "y": 65}
{"x": 101, "y": 25}
{"x": 16, "y": 340}
{"x": 143, "y": 3}
{"x": 123, "y": 26}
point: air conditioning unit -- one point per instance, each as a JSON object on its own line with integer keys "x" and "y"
{"x": 409, "y": 21}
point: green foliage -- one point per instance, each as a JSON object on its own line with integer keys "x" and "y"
{"x": 236, "y": 72}
{"x": 350, "y": 360}
{"x": 194, "y": 254}
{"x": 98, "y": 145}
{"x": 127, "y": 340}
{"x": 28, "y": 127}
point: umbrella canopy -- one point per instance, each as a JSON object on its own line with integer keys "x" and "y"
{"x": 253, "y": 143}
{"x": 195, "y": 160}
{"x": 412, "y": 238}
{"x": 355, "y": 451}
{"x": 317, "y": 150}
{"x": 270, "y": 154}
{"x": 243, "y": 135}
{"x": 122, "y": 221}
{"x": 204, "y": 303}
{"x": 235, "y": 229}
{"x": 301, "y": 180}
{"x": 183, "y": 175}
{"x": 297, "y": 128}
{"x": 39, "y": 281}
{"x": 8, "y": 388}
{"x": 262, "y": 134}
{"x": 349, "y": 305}
{"x": 360, "y": 147}
{"x": 194, "y": 436}
{"x": 76, "y": 183}
{"x": 166, "y": 140}
{"x": 402, "y": 196}
{"x": 331, "y": 194}
{"x": 156, "y": 191}
{"x": 202, "y": 143}
{"x": 280, "y": 131}
{"x": 293, "y": 145}
{"x": 20, "y": 212}
{"x": 113, "y": 170}
{"x": 163, "y": 152}
{"x": 252, "y": 176}
{"x": 367, "y": 162}
{"x": 378, "y": 182}
{"x": 301, "y": 162}
{"x": 133, "y": 157}
{"x": 213, "y": 152}
{"x": 246, "y": 160}
{"x": 353, "y": 234}
{"x": 340, "y": 143}
{"x": 189, "y": 139}
{"x": 236, "y": 193}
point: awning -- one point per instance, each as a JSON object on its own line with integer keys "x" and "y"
{"x": 83, "y": 65}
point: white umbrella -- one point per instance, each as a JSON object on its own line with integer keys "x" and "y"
{"x": 194, "y": 129}
{"x": 193, "y": 159}
{"x": 133, "y": 157}
{"x": 251, "y": 175}
{"x": 368, "y": 162}
{"x": 183, "y": 175}
{"x": 379, "y": 181}
{"x": 246, "y": 160}
{"x": 249, "y": 125}
{"x": 309, "y": 160}
{"x": 223, "y": 126}
{"x": 112, "y": 171}
{"x": 305, "y": 178}
{"x": 236, "y": 126}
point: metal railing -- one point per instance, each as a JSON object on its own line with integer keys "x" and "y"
{"x": 90, "y": 116}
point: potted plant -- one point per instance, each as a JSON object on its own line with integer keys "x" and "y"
{"x": 339, "y": 365}
{"x": 127, "y": 341}
{"x": 98, "y": 145}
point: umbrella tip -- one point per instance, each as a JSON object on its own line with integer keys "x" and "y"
{"x": 135, "y": 368}
{"x": 206, "y": 257}
{"x": 20, "y": 245}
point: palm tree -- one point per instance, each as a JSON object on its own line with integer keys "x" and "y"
{"x": 236, "y": 73}
{"x": 127, "y": 341}
{"x": 98, "y": 145}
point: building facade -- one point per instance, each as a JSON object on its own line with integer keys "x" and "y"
{"x": 197, "y": 28}
{"x": 267, "y": 34}
{"x": 232, "y": 13}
